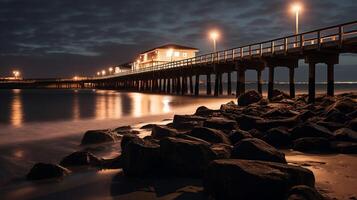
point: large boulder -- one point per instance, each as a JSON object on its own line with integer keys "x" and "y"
{"x": 210, "y": 135}
{"x": 304, "y": 192}
{"x": 344, "y": 105}
{"x": 346, "y": 134}
{"x": 238, "y": 135}
{"x": 220, "y": 123}
{"x": 249, "y": 97}
{"x": 353, "y": 124}
{"x": 203, "y": 111}
{"x": 278, "y": 95}
{"x": 188, "y": 121}
{"x": 265, "y": 125}
{"x": 81, "y": 158}
{"x": 223, "y": 151}
{"x": 140, "y": 157}
{"x": 42, "y": 171}
{"x": 231, "y": 179}
{"x": 256, "y": 149}
{"x": 336, "y": 116}
{"x": 229, "y": 107}
{"x": 160, "y": 131}
{"x": 277, "y": 137}
{"x": 280, "y": 113}
{"x": 181, "y": 157}
{"x": 310, "y": 130}
{"x": 247, "y": 122}
{"x": 129, "y": 137}
{"x": 99, "y": 136}
{"x": 312, "y": 144}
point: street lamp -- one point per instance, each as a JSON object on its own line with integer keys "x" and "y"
{"x": 103, "y": 72}
{"x": 98, "y": 73}
{"x": 296, "y": 8}
{"x": 170, "y": 53}
{"x": 214, "y": 36}
{"x": 110, "y": 70}
{"x": 16, "y": 74}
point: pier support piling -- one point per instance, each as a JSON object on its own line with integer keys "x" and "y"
{"x": 197, "y": 85}
{"x": 271, "y": 82}
{"x": 229, "y": 79}
{"x": 330, "y": 79}
{"x": 292, "y": 81}
{"x": 259, "y": 81}
{"x": 312, "y": 67}
{"x": 208, "y": 87}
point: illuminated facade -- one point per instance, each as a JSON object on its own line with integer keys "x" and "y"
{"x": 164, "y": 54}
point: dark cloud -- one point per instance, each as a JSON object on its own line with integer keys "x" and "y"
{"x": 64, "y": 37}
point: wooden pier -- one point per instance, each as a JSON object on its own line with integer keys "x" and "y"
{"x": 183, "y": 77}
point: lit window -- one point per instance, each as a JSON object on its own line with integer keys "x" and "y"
{"x": 177, "y": 54}
{"x": 169, "y": 53}
{"x": 184, "y": 54}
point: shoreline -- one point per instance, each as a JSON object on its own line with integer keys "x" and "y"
{"x": 335, "y": 180}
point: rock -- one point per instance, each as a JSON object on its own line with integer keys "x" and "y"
{"x": 229, "y": 107}
{"x": 256, "y": 149}
{"x": 127, "y": 138}
{"x": 187, "y": 158}
{"x": 265, "y": 125}
{"x": 310, "y": 130}
{"x": 114, "y": 163}
{"x": 210, "y": 135}
{"x": 307, "y": 114}
{"x": 336, "y": 116}
{"x": 312, "y": 144}
{"x": 203, "y": 111}
{"x": 220, "y": 123}
{"x": 353, "y": 124}
{"x": 280, "y": 113}
{"x": 232, "y": 179}
{"x": 352, "y": 114}
{"x": 344, "y": 147}
{"x": 159, "y": 132}
{"x": 238, "y": 135}
{"x": 99, "y": 136}
{"x": 140, "y": 157}
{"x": 249, "y": 97}
{"x": 331, "y": 126}
{"x": 247, "y": 122}
{"x": 304, "y": 192}
{"x": 123, "y": 130}
{"x": 223, "y": 151}
{"x": 344, "y": 105}
{"x": 278, "y": 137}
{"x": 81, "y": 158}
{"x": 256, "y": 133}
{"x": 42, "y": 171}
{"x": 188, "y": 121}
{"x": 195, "y": 139}
{"x": 147, "y": 126}
{"x": 278, "y": 95}
{"x": 346, "y": 134}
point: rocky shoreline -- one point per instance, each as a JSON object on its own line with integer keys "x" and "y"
{"x": 235, "y": 150}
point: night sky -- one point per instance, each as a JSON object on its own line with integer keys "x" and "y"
{"x": 63, "y": 38}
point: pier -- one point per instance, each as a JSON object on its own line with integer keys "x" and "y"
{"x": 182, "y": 77}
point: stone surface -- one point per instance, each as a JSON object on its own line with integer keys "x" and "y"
{"x": 233, "y": 179}
{"x": 220, "y": 123}
{"x": 99, "y": 136}
{"x": 140, "y": 157}
{"x": 42, "y": 171}
{"x": 223, "y": 151}
{"x": 256, "y": 149}
{"x": 346, "y": 134}
{"x": 187, "y": 158}
{"x": 278, "y": 137}
{"x": 353, "y": 124}
{"x": 344, "y": 105}
{"x": 210, "y": 135}
{"x": 304, "y": 192}
{"x": 238, "y": 135}
{"x": 249, "y": 97}
{"x": 312, "y": 144}
{"x": 188, "y": 121}
{"x": 344, "y": 147}
{"x": 310, "y": 130}
{"x": 160, "y": 131}
{"x": 80, "y": 158}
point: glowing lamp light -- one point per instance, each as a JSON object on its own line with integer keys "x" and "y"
{"x": 98, "y": 73}
{"x": 110, "y": 69}
{"x": 16, "y": 73}
{"x": 214, "y": 35}
{"x": 103, "y": 72}
{"x": 75, "y": 78}
{"x": 296, "y": 7}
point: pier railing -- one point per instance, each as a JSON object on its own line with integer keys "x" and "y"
{"x": 316, "y": 39}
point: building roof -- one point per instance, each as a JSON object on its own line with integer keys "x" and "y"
{"x": 173, "y": 46}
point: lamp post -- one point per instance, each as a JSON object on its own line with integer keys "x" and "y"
{"x": 98, "y": 73}
{"x": 16, "y": 74}
{"x": 214, "y": 36}
{"x": 110, "y": 70}
{"x": 296, "y": 8}
{"x": 103, "y": 72}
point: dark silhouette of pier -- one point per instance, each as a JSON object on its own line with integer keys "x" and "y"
{"x": 317, "y": 46}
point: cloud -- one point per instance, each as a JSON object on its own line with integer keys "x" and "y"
{"x": 38, "y": 35}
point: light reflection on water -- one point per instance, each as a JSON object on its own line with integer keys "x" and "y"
{"x": 25, "y": 106}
